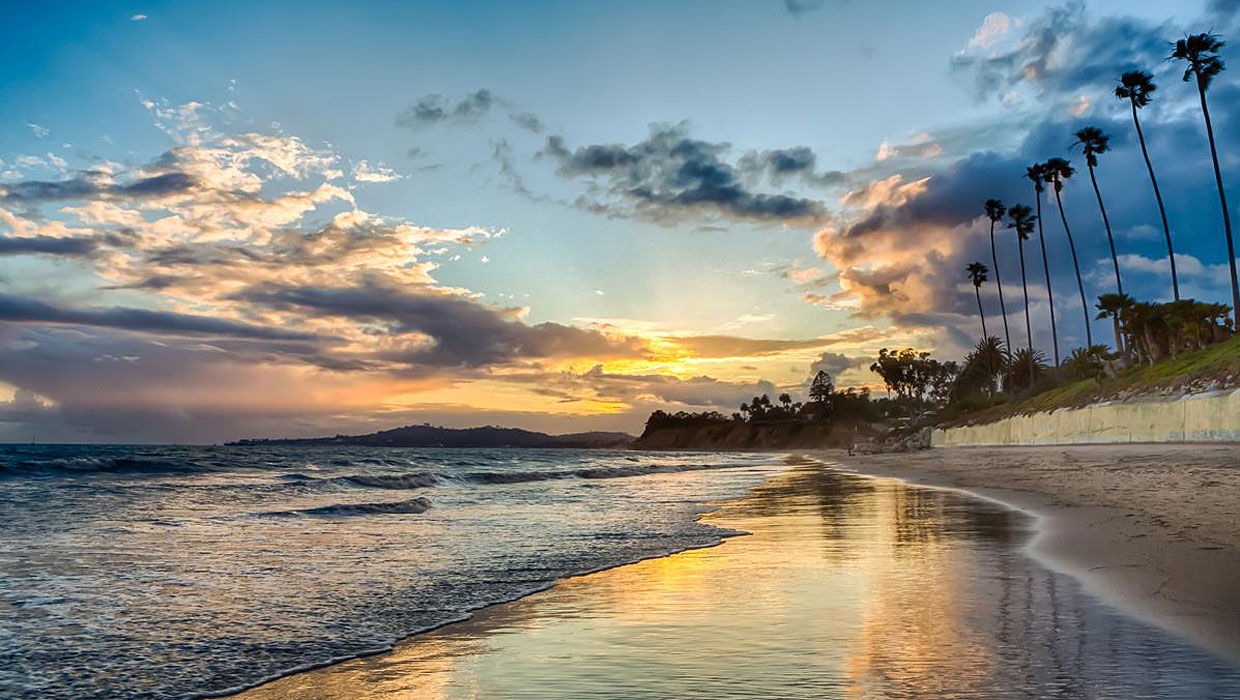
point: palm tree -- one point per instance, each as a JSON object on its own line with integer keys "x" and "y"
{"x": 1136, "y": 87}
{"x": 1030, "y": 363}
{"x": 1056, "y": 170}
{"x": 1200, "y": 51}
{"x": 1093, "y": 143}
{"x": 1037, "y": 173}
{"x": 1113, "y": 305}
{"x": 995, "y": 211}
{"x": 977, "y": 275}
{"x": 1023, "y": 223}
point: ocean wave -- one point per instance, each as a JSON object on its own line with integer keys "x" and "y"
{"x": 412, "y": 480}
{"x": 413, "y": 506}
{"x": 109, "y": 465}
{"x": 517, "y": 477}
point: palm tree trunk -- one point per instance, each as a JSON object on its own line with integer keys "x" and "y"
{"x": 1089, "y": 335}
{"x": 1222, "y": 198}
{"x": 1007, "y": 337}
{"x": 1046, "y": 268}
{"x": 1119, "y": 344}
{"x": 1162, "y": 211}
{"x": 1020, "y": 246}
{"x": 1106, "y": 223}
{"x": 990, "y": 363}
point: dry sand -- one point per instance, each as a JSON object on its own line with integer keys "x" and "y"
{"x": 1154, "y": 529}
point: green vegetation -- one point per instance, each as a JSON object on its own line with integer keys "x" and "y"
{"x": 1212, "y": 366}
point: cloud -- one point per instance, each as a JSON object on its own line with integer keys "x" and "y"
{"x": 781, "y": 164}
{"x": 96, "y": 185}
{"x": 138, "y": 18}
{"x": 26, "y": 310}
{"x": 363, "y": 171}
{"x": 599, "y": 385}
{"x": 796, "y": 8}
{"x": 835, "y": 364}
{"x": 1061, "y": 52}
{"x": 528, "y": 121}
{"x": 39, "y": 131}
{"x": 669, "y": 177}
{"x": 447, "y": 329}
{"x": 47, "y": 245}
{"x": 995, "y": 26}
{"x": 432, "y": 110}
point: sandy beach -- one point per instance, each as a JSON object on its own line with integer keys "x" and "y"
{"x": 1154, "y": 529}
{"x": 847, "y": 586}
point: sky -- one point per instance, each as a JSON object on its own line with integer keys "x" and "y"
{"x": 307, "y": 218}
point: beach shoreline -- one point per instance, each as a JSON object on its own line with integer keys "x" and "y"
{"x": 798, "y": 543}
{"x": 1153, "y": 529}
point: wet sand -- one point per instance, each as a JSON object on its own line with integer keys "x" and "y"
{"x": 847, "y": 587}
{"x": 1154, "y": 529}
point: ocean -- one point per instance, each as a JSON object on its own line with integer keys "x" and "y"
{"x": 176, "y": 572}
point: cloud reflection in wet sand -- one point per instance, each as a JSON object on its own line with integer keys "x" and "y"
{"x": 848, "y": 588}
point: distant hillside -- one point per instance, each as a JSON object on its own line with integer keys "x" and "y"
{"x": 433, "y": 436}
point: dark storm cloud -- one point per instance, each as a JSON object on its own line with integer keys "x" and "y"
{"x": 47, "y": 245}
{"x": 782, "y": 163}
{"x": 835, "y": 364}
{"x": 430, "y": 110}
{"x": 1065, "y": 50}
{"x": 25, "y": 310}
{"x": 463, "y": 332}
{"x": 922, "y": 245}
{"x": 669, "y": 177}
{"x": 1223, "y": 11}
{"x": 93, "y": 185}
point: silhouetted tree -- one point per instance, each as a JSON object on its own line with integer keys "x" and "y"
{"x": 995, "y": 211}
{"x": 1037, "y": 174}
{"x": 1030, "y": 365}
{"x": 1056, "y": 170}
{"x": 1094, "y": 143}
{"x": 821, "y": 388}
{"x": 977, "y": 275}
{"x": 1113, "y": 305}
{"x": 1136, "y": 87}
{"x": 1200, "y": 51}
{"x": 1022, "y": 222}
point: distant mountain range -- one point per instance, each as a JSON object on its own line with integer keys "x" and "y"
{"x": 433, "y": 436}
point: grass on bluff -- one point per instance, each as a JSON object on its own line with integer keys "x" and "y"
{"x": 1190, "y": 369}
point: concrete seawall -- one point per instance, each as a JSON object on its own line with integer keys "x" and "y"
{"x": 1209, "y": 417}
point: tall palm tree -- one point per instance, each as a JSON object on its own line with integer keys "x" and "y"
{"x": 995, "y": 211}
{"x": 1056, "y": 170}
{"x": 1094, "y": 143}
{"x": 1136, "y": 87}
{"x": 1200, "y": 51}
{"x": 1022, "y": 222}
{"x": 1114, "y": 305}
{"x": 1037, "y": 174}
{"x": 977, "y": 275}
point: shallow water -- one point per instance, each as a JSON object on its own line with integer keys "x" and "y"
{"x": 849, "y": 587}
{"x": 162, "y": 572}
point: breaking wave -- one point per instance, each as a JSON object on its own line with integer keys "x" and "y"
{"x": 413, "y": 506}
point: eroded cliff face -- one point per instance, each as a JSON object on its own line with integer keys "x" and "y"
{"x": 746, "y": 436}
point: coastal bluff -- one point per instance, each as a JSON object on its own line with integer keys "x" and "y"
{"x": 1203, "y": 417}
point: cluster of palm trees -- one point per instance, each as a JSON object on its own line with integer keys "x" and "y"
{"x": 1151, "y": 330}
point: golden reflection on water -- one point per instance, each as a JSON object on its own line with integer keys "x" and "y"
{"x": 847, "y": 588}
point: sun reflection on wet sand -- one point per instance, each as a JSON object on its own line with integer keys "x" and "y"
{"x": 848, "y": 587}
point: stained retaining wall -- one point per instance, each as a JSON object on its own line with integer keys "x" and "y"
{"x": 1208, "y": 417}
